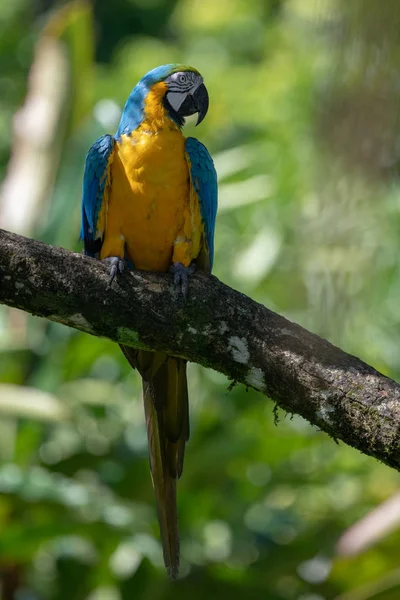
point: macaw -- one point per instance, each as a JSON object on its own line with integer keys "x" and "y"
{"x": 150, "y": 202}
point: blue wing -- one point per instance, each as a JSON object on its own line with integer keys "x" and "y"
{"x": 204, "y": 180}
{"x": 95, "y": 182}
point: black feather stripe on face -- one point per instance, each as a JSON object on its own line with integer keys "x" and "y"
{"x": 179, "y": 88}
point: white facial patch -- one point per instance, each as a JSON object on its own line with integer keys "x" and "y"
{"x": 175, "y": 99}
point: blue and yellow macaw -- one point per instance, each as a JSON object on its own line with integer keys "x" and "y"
{"x": 150, "y": 200}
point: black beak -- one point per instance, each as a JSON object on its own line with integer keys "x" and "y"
{"x": 201, "y": 101}
{"x": 195, "y": 103}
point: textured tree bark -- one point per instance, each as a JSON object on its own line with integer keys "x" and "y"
{"x": 215, "y": 326}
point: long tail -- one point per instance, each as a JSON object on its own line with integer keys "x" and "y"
{"x": 166, "y": 408}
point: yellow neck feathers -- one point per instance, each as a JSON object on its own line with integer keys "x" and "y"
{"x": 155, "y": 115}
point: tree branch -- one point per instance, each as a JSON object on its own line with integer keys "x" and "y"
{"x": 217, "y": 327}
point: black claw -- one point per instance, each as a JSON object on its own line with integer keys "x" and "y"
{"x": 181, "y": 276}
{"x": 117, "y": 265}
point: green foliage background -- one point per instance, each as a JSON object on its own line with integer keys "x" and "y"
{"x": 309, "y": 225}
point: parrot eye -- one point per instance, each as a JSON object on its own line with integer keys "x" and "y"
{"x": 182, "y": 78}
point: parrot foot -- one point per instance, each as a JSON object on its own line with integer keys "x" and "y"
{"x": 116, "y": 264}
{"x": 181, "y": 276}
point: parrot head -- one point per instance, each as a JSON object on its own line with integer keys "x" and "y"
{"x": 184, "y": 94}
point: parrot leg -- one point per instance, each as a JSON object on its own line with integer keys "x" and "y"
{"x": 116, "y": 264}
{"x": 181, "y": 276}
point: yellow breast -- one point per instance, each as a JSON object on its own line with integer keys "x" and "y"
{"x": 151, "y": 209}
